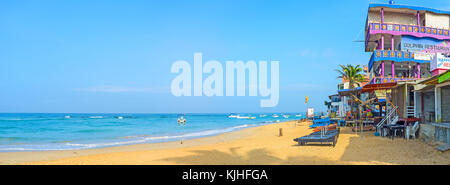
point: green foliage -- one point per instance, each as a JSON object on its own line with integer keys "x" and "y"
{"x": 352, "y": 74}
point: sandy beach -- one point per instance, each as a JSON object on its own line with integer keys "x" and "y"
{"x": 258, "y": 145}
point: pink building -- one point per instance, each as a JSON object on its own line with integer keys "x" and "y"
{"x": 407, "y": 42}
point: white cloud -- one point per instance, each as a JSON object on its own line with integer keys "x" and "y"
{"x": 122, "y": 89}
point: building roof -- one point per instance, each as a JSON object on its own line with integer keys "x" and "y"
{"x": 382, "y": 86}
{"x": 333, "y": 95}
{"x": 441, "y": 78}
{"x": 348, "y": 92}
{"x": 417, "y": 8}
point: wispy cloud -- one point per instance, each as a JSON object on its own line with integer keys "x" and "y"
{"x": 122, "y": 89}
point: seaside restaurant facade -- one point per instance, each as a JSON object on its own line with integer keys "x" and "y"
{"x": 410, "y": 46}
{"x": 404, "y": 40}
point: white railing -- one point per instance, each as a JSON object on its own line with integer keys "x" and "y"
{"x": 410, "y": 111}
{"x": 390, "y": 118}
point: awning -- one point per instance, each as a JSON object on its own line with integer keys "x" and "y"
{"x": 383, "y": 86}
{"x": 431, "y": 81}
{"x": 349, "y": 92}
{"x": 444, "y": 77}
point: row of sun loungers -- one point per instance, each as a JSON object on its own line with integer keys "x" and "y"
{"x": 319, "y": 137}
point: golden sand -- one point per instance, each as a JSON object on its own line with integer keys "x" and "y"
{"x": 258, "y": 145}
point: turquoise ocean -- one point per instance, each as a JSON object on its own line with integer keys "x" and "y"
{"x": 64, "y": 131}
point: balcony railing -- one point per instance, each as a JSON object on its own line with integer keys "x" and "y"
{"x": 397, "y": 56}
{"x": 413, "y": 30}
{"x": 380, "y": 80}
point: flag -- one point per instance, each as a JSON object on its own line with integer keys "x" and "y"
{"x": 306, "y": 101}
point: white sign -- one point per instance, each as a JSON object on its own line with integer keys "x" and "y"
{"x": 423, "y": 56}
{"x": 440, "y": 61}
{"x": 310, "y": 112}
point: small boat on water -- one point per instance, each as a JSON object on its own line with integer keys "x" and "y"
{"x": 96, "y": 117}
{"x": 298, "y": 115}
{"x": 181, "y": 119}
{"x": 120, "y": 117}
{"x": 286, "y": 116}
{"x": 275, "y": 116}
{"x": 233, "y": 116}
{"x": 246, "y": 117}
{"x": 67, "y": 117}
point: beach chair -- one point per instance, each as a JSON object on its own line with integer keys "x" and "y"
{"x": 411, "y": 131}
{"x": 320, "y": 123}
{"x": 327, "y": 138}
{"x": 319, "y": 137}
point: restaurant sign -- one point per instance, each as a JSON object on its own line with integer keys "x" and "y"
{"x": 424, "y": 45}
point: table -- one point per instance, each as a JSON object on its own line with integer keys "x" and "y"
{"x": 392, "y": 130}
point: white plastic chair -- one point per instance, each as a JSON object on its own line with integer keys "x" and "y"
{"x": 411, "y": 131}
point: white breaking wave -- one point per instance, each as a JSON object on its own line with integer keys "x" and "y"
{"x": 96, "y": 117}
{"x": 161, "y": 138}
{"x": 141, "y": 139}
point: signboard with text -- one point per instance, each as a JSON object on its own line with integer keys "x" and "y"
{"x": 310, "y": 112}
{"x": 424, "y": 45}
{"x": 440, "y": 61}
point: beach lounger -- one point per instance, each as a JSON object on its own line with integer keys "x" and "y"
{"x": 328, "y": 138}
{"x": 321, "y": 121}
{"x": 318, "y": 125}
{"x": 319, "y": 137}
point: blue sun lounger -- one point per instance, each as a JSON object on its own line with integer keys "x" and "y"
{"x": 320, "y": 123}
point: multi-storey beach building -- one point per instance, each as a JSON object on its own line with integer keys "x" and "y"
{"x": 408, "y": 43}
{"x": 404, "y": 40}
{"x": 410, "y": 48}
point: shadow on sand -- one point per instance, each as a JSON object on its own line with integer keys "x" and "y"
{"x": 381, "y": 150}
{"x": 253, "y": 157}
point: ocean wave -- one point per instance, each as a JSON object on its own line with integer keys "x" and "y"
{"x": 138, "y": 140}
{"x": 92, "y": 130}
{"x": 127, "y": 140}
{"x": 95, "y": 117}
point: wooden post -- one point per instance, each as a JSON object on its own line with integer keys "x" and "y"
{"x": 281, "y": 132}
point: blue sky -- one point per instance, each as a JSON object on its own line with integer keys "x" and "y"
{"x": 115, "y": 56}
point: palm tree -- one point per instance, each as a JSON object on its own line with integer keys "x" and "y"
{"x": 352, "y": 74}
{"x": 327, "y": 103}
